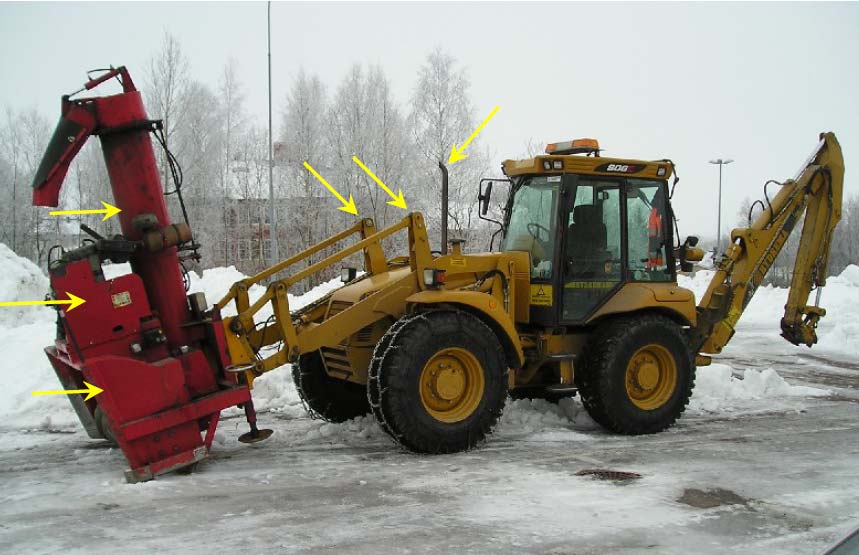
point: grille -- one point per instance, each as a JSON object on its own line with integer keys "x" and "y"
{"x": 365, "y": 334}
{"x": 335, "y": 360}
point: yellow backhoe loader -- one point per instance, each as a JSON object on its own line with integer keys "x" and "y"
{"x": 581, "y": 298}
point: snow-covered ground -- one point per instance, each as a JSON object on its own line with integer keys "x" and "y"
{"x": 765, "y": 460}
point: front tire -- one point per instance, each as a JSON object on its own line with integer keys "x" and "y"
{"x": 439, "y": 381}
{"x": 637, "y": 374}
{"x": 326, "y": 397}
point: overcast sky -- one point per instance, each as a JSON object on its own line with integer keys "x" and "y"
{"x": 690, "y": 82}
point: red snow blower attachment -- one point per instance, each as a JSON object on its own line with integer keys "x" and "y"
{"x": 159, "y": 354}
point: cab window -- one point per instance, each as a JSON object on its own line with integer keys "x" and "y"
{"x": 533, "y": 222}
{"x": 647, "y": 230}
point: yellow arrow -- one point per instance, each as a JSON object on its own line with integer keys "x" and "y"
{"x": 456, "y": 152}
{"x": 109, "y": 211}
{"x": 90, "y": 390}
{"x": 73, "y": 302}
{"x": 399, "y": 201}
{"x": 347, "y": 206}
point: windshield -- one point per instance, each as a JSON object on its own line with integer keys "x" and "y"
{"x": 532, "y": 222}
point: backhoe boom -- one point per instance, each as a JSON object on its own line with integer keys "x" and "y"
{"x": 815, "y": 191}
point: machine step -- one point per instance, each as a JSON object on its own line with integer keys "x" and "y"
{"x": 562, "y": 388}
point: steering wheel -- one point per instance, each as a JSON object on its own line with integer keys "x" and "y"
{"x": 534, "y": 230}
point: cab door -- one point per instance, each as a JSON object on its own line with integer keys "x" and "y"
{"x": 533, "y": 225}
{"x": 593, "y": 248}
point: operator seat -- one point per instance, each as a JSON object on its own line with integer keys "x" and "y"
{"x": 586, "y": 243}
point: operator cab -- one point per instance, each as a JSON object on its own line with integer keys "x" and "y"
{"x": 590, "y": 224}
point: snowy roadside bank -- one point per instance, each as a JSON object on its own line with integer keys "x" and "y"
{"x": 838, "y": 331}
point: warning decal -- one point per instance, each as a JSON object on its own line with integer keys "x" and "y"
{"x": 541, "y": 295}
{"x": 121, "y": 299}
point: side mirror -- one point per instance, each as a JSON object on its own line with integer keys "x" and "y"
{"x": 688, "y": 253}
{"x": 484, "y": 197}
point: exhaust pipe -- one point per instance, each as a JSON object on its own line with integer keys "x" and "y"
{"x": 444, "y": 201}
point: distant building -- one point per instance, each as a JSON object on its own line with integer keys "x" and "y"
{"x": 247, "y": 243}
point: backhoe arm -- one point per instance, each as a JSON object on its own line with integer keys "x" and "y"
{"x": 815, "y": 191}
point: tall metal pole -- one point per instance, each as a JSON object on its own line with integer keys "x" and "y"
{"x": 719, "y": 215}
{"x": 721, "y": 163}
{"x": 272, "y": 234}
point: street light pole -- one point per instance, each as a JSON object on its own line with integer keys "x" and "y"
{"x": 272, "y": 222}
{"x": 721, "y": 163}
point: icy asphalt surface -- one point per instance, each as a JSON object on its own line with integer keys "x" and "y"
{"x": 783, "y": 480}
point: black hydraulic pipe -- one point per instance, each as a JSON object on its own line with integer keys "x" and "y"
{"x": 444, "y": 201}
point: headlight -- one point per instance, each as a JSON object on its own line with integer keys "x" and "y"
{"x": 348, "y": 274}
{"x": 433, "y": 277}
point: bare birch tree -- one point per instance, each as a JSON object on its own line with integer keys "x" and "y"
{"x": 233, "y": 122}
{"x": 304, "y": 140}
{"x": 166, "y": 81}
{"x": 443, "y": 115}
{"x": 23, "y": 139}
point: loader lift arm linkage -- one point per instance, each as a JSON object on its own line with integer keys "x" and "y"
{"x": 286, "y": 328}
{"x": 816, "y": 191}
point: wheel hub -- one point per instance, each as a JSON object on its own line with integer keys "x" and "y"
{"x": 647, "y": 376}
{"x": 651, "y": 377}
{"x": 451, "y": 385}
{"x": 448, "y": 380}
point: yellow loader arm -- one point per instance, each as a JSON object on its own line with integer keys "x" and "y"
{"x": 816, "y": 191}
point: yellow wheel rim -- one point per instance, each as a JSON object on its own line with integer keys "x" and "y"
{"x": 451, "y": 385}
{"x": 651, "y": 377}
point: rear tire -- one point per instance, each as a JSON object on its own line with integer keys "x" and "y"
{"x": 637, "y": 374}
{"x": 438, "y": 382}
{"x": 326, "y": 397}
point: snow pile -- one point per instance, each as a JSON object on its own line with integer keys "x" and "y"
{"x": 275, "y": 391}
{"x": 355, "y": 431}
{"x": 850, "y": 276}
{"x": 838, "y": 330}
{"x": 26, "y": 369}
{"x": 25, "y": 331}
{"x": 697, "y": 283}
{"x": 540, "y": 417}
{"x": 717, "y": 390}
{"x": 21, "y": 280}
{"x": 216, "y": 282}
